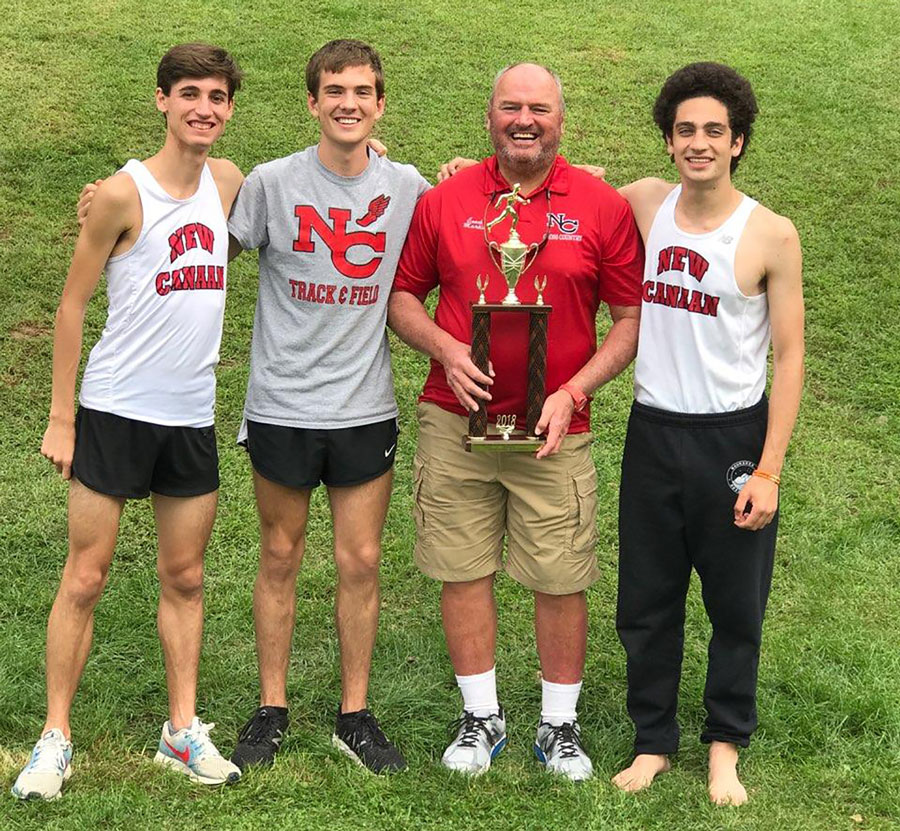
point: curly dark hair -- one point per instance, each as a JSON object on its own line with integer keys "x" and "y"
{"x": 716, "y": 81}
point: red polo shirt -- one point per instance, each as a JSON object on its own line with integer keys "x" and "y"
{"x": 592, "y": 254}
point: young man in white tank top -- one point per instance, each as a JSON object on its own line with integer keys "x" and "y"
{"x": 329, "y": 222}
{"x": 145, "y": 425}
{"x": 703, "y": 455}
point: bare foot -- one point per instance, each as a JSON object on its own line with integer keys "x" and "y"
{"x": 724, "y": 786}
{"x": 641, "y": 772}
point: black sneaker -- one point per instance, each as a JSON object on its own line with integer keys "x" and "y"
{"x": 260, "y": 738}
{"x": 359, "y": 736}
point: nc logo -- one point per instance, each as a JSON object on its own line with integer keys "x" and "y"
{"x": 338, "y": 239}
{"x": 566, "y": 226}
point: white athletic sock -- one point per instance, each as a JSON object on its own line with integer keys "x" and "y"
{"x": 479, "y": 693}
{"x": 559, "y": 702}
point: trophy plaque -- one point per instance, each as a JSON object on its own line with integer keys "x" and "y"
{"x": 512, "y": 258}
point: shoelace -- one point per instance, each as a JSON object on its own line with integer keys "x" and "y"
{"x": 566, "y": 736}
{"x": 367, "y": 728}
{"x": 261, "y": 728}
{"x": 198, "y": 736}
{"x": 470, "y": 725}
{"x": 48, "y": 756}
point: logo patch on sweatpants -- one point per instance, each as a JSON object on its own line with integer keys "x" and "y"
{"x": 737, "y": 475}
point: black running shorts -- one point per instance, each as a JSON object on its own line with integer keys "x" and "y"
{"x": 297, "y": 457}
{"x": 122, "y": 457}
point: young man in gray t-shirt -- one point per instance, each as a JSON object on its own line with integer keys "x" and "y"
{"x": 329, "y": 223}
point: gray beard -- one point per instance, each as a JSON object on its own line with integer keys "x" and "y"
{"x": 530, "y": 167}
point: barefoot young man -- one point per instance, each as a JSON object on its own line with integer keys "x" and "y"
{"x": 704, "y": 449}
{"x": 329, "y": 223}
{"x": 544, "y": 504}
{"x": 145, "y": 421}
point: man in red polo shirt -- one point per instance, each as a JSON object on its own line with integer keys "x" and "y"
{"x": 544, "y": 504}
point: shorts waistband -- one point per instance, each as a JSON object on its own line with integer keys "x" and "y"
{"x": 730, "y": 419}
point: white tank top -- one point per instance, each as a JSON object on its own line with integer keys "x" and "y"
{"x": 156, "y": 358}
{"x": 703, "y": 343}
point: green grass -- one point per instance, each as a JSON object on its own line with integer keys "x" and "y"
{"x": 75, "y": 87}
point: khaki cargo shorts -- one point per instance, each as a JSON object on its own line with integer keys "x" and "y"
{"x": 466, "y": 502}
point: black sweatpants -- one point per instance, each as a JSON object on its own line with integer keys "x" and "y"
{"x": 681, "y": 475}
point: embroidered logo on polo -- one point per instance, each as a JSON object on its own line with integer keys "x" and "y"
{"x": 737, "y": 475}
{"x": 560, "y": 227}
{"x": 333, "y": 232}
{"x": 566, "y": 225}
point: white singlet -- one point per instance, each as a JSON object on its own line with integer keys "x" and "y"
{"x": 156, "y": 358}
{"x": 703, "y": 343}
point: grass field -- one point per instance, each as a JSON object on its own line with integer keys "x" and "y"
{"x": 76, "y": 84}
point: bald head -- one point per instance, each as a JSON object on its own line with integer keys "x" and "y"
{"x": 531, "y": 72}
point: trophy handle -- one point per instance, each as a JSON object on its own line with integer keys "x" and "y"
{"x": 531, "y": 251}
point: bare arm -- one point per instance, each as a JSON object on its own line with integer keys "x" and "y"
{"x": 645, "y": 196}
{"x": 615, "y": 353}
{"x": 113, "y": 213}
{"x": 228, "y": 178}
{"x": 786, "y": 314}
{"x": 409, "y": 319}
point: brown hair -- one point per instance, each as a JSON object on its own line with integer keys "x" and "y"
{"x": 336, "y": 56}
{"x": 198, "y": 60}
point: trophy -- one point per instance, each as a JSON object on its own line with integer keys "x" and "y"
{"x": 512, "y": 258}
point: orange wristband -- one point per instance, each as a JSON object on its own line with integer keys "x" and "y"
{"x": 770, "y": 476}
{"x": 578, "y": 397}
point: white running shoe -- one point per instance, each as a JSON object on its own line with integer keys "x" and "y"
{"x": 191, "y": 751}
{"x": 559, "y": 750}
{"x": 478, "y": 741}
{"x": 49, "y": 766}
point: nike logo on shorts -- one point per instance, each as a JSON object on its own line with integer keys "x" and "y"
{"x": 390, "y": 450}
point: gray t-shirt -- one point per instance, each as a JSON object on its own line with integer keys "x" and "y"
{"x": 328, "y": 249}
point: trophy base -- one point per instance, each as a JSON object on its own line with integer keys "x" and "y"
{"x": 498, "y": 444}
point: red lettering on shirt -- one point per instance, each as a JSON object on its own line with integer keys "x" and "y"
{"x": 338, "y": 240}
{"x": 191, "y": 278}
{"x": 676, "y": 258}
{"x": 677, "y": 297}
{"x": 187, "y": 237}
